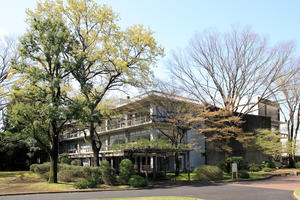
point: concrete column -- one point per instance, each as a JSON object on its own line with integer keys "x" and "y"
{"x": 152, "y": 111}
{"x": 126, "y": 119}
{"x": 106, "y": 124}
{"x": 112, "y": 162}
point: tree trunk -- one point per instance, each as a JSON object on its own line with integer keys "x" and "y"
{"x": 177, "y": 163}
{"x": 95, "y": 148}
{"x": 95, "y": 154}
{"x": 53, "y": 165}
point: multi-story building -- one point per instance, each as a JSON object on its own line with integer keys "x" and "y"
{"x": 135, "y": 120}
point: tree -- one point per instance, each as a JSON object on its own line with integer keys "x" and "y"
{"x": 268, "y": 142}
{"x": 40, "y": 105}
{"x": 289, "y": 99}
{"x": 106, "y": 58}
{"x": 227, "y": 72}
{"x": 8, "y": 51}
{"x": 173, "y": 119}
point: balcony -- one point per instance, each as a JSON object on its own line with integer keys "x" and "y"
{"x": 116, "y": 125}
{"x": 111, "y": 126}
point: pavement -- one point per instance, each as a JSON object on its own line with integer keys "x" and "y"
{"x": 276, "y": 188}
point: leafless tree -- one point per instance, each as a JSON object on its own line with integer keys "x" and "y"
{"x": 8, "y": 51}
{"x": 230, "y": 70}
{"x": 289, "y": 99}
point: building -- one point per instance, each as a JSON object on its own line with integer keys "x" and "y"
{"x": 138, "y": 119}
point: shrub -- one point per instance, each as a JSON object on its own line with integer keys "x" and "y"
{"x": 254, "y": 167}
{"x": 107, "y": 173}
{"x": 40, "y": 168}
{"x": 66, "y": 175}
{"x": 92, "y": 172}
{"x": 297, "y": 165}
{"x": 45, "y": 176}
{"x": 64, "y": 158}
{"x": 243, "y": 174}
{"x": 222, "y": 165}
{"x": 266, "y": 169}
{"x": 85, "y": 183}
{"x": 126, "y": 171}
{"x": 268, "y": 164}
{"x": 278, "y": 165}
{"x": 75, "y": 162}
{"x": 208, "y": 173}
{"x": 137, "y": 181}
{"x": 238, "y": 160}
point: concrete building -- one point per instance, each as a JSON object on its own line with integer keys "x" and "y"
{"x": 136, "y": 119}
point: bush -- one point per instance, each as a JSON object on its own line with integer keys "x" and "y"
{"x": 66, "y": 175}
{"x": 160, "y": 176}
{"x": 137, "y": 181}
{"x": 254, "y": 167}
{"x": 238, "y": 160}
{"x": 297, "y": 165}
{"x": 64, "y": 158}
{"x": 268, "y": 164}
{"x": 85, "y": 183}
{"x": 94, "y": 172}
{"x": 40, "y": 168}
{"x": 107, "y": 173}
{"x": 45, "y": 176}
{"x": 243, "y": 174}
{"x": 222, "y": 165}
{"x": 266, "y": 169}
{"x": 126, "y": 171}
{"x": 278, "y": 165}
{"x": 208, "y": 173}
{"x": 75, "y": 162}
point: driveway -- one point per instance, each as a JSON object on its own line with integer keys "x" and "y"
{"x": 277, "y": 188}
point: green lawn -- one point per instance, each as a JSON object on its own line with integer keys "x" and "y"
{"x": 226, "y": 177}
{"x": 156, "y": 198}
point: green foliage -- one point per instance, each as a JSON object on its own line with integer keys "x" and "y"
{"x": 126, "y": 171}
{"x": 253, "y": 167}
{"x": 243, "y": 174}
{"x": 45, "y": 176}
{"x": 85, "y": 183}
{"x": 236, "y": 159}
{"x": 278, "y": 165}
{"x": 107, "y": 173}
{"x": 64, "y": 158}
{"x": 92, "y": 172}
{"x": 268, "y": 164}
{"x": 40, "y": 168}
{"x": 75, "y": 162}
{"x": 266, "y": 169}
{"x": 222, "y": 165}
{"x": 66, "y": 175}
{"x": 268, "y": 142}
{"x": 137, "y": 181}
{"x": 297, "y": 164}
{"x": 208, "y": 173}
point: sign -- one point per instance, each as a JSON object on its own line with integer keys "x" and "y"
{"x": 234, "y": 167}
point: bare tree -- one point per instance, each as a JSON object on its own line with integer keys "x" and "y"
{"x": 8, "y": 51}
{"x": 229, "y": 70}
{"x": 289, "y": 99}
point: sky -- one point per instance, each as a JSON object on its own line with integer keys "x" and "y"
{"x": 175, "y": 22}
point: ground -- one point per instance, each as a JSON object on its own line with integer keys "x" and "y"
{"x": 276, "y": 188}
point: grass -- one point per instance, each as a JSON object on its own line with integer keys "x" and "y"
{"x": 156, "y": 198}
{"x": 226, "y": 177}
{"x": 298, "y": 192}
{"x": 24, "y": 181}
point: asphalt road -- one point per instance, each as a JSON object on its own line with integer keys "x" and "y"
{"x": 278, "y": 188}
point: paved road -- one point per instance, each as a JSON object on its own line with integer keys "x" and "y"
{"x": 278, "y": 188}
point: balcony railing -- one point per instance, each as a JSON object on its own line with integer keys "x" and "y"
{"x": 125, "y": 123}
{"x": 113, "y": 126}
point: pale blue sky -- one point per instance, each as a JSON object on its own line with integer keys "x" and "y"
{"x": 176, "y": 21}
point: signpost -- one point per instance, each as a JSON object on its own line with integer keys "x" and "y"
{"x": 234, "y": 170}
